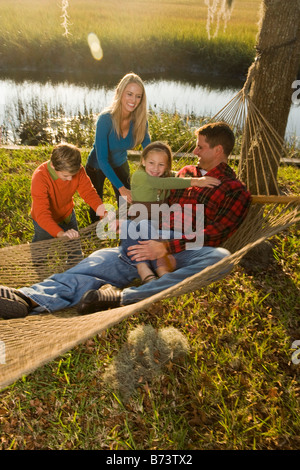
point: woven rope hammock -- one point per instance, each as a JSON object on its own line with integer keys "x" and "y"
{"x": 35, "y": 340}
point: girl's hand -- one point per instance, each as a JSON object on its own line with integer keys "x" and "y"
{"x": 126, "y": 193}
{"x": 205, "y": 182}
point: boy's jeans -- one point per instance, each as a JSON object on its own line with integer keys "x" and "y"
{"x": 41, "y": 234}
{"x": 75, "y": 252}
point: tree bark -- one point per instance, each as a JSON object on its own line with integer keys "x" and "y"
{"x": 273, "y": 72}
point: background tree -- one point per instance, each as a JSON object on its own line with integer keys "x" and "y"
{"x": 273, "y": 72}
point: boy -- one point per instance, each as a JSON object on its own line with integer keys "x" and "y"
{"x": 52, "y": 188}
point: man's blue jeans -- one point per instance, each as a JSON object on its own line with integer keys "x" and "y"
{"x": 105, "y": 266}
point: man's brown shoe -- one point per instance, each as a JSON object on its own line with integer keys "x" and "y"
{"x": 101, "y": 299}
{"x": 13, "y": 304}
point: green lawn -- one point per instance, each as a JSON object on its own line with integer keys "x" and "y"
{"x": 237, "y": 387}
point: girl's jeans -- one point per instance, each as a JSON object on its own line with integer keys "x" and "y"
{"x": 132, "y": 232}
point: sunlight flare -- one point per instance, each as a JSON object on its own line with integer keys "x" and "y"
{"x": 95, "y": 46}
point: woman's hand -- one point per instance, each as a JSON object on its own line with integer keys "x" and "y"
{"x": 126, "y": 193}
{"x": 101, "y": 211}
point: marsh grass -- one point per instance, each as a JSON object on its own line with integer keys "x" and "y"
{"x": 237, "y": 388}
{"x": 35, "y": 123}
{"x": 141, "y": 35}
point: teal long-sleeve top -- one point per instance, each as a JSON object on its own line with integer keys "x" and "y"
{"x": 146, "y": 188}
{"x": 110, "y": 151}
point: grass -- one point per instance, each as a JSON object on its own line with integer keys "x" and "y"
{"x": 147, "y": 36}
{"x": 236, "y": 389}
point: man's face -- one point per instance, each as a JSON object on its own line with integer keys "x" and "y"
{"x": 207, "y": 156}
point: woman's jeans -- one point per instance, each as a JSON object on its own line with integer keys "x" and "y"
{"x": 97, "y": 177}
{"x": 105, "y": 266}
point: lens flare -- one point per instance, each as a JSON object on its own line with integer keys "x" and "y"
{"x": 95, "y": 46}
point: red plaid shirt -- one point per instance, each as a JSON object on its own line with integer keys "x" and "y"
{"x": 225, "y": 206}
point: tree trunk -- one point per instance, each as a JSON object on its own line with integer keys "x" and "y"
{"x": 276, "y": 67}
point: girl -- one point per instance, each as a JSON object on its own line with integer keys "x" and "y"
{"x": 150, "y": 185}
{"x": 120, "y": 127}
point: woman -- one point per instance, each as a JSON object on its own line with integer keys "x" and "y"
{"x": 120, "y": 127}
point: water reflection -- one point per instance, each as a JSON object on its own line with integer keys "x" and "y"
{"x": 184, "y": 96}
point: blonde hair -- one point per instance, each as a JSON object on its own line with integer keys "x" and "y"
{"x": 162, "y": 147}
{"x": 66, "y": 157}
{"x": 139, "y": 115}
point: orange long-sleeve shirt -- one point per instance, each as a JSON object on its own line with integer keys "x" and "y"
{"x": 52, "y": 198}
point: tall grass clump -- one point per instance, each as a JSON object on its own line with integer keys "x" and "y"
{"x": 146, "y": 36}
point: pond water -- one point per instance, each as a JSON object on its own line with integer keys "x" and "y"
{"x": 203, "y": 98}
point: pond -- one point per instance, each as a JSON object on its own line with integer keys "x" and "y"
{"x": 202, "y": 97}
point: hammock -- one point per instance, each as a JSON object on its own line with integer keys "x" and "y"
{"x": 26, "y": 344}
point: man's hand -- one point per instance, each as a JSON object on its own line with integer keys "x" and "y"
{"x": 69, "y": 234}
{"x": 147, "y": 249}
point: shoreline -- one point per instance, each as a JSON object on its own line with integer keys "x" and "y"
{"x": 191, "y": 73}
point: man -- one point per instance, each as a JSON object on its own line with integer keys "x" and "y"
{"x": 225, "y": 207}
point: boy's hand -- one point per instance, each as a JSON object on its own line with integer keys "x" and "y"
{"x": 69, "y": 234}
